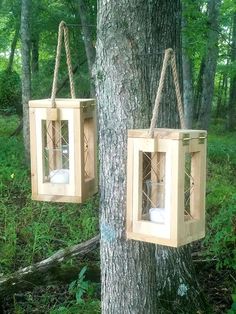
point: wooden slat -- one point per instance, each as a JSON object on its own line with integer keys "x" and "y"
{"x": 56, "y": 198}
{"x": 129, "y": 198}
{"x": 33, "y": 152}
{"x": 62, "y": 103}
{"x": 176, "y": 134}
{"x": 151, "y": 239}
{"x": 78, "y": 152}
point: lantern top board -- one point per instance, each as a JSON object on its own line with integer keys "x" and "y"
{"x": 63, "y": 149}
{"x": 166, "y": 186}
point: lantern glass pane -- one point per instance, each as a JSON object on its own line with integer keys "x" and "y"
{"x": 89, "y": 141}
{"x": 55, "y": 151}
{"x": 153, "y": 187}
{"x": 188, "y": 186}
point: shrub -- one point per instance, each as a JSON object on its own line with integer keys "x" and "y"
{"x": 10, "y": 92}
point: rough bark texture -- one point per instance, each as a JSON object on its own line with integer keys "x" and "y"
{"x": 187, "y": 90}
{"x": 210, "y": 62}
{"x": 26, "y": 78}
{"x": 178, "y": 289}
{"x": 232, "y": 93}
{"x": 88, "y": 41}
{"x": 132, "y": 35}
{"x": 188, "y": 98}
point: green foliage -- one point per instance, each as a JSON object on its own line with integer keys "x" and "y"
{"x": 92, "y": 307}
{"x": 221, "y": 200}
{"x": 41, "y": 228}
{"x": 79, "y": 287}
{"x": 10, "y": 92}
{"x": 233, "y": 306}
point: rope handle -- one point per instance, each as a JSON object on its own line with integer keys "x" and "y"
{"x": 62, "y": 30}
{"x": 169, "y": 54}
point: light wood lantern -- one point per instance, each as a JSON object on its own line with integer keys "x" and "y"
{"x": 166, "y": 186}
{"x": 63, "y": 149}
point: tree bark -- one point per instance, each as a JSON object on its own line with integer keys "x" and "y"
{"x": 88, "y": 41}
{"x": 188, "y": 98}
{"x": 232, "y": 92}
{"x": 26, "y": 77}
{"x": 210, "y": 62}
{"x": 132, "y": 36}
{"x": 187, "y": 89}
{"x": 35, "y": 54}
{"x": 128, "y": 267}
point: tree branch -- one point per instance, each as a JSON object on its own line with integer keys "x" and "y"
{"x": 51, "y": 270}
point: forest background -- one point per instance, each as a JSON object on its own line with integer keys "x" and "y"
{"x": 31, "y": 231}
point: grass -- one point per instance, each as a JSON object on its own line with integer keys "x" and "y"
{"x": 29, "y": 230}
{"x": 221, "y": 199}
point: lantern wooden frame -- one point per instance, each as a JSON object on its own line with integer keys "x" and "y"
{"x": 179, "y": 228}
{"x": 80, "y": 115}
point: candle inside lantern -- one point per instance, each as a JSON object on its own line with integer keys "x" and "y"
{"x": 59, "y": 176}
{"x": 157, "y": 215}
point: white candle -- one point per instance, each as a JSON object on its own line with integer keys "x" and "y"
{"x": 157, "y": 215}
{"x": 59, "y": 176}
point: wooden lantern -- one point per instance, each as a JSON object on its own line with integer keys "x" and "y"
{"x": 63, "y": 149}
{"x": 166, "y": 186}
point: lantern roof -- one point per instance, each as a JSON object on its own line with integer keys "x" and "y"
{"x": 62, "y": 103}
{"x": 162, "y": 133}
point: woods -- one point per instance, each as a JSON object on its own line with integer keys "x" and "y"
{"x": 117, "y": 50}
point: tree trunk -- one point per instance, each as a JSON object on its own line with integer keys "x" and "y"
{"x": 187, "y": 80}
{"x": 88, "y": 41}
{"x": 26, "y": 78}
{"x": 13, "y": 48}
{"x": 132, "y": 36}
{"x": 187, "y": 89}
{"x": 210, "y": 62}
{"x": 232, "y": 92}
{"x": 35, "y": 54}
{"x": 198, "y": 91}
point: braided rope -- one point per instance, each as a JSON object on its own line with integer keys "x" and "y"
{"x": 68, "y": 61}
{"x": 169, "y": 54}
{"x": 62, "y": 30}
{"x": 159, "y": 92}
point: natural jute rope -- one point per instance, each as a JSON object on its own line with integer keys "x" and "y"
{"x": 62, "y": 30}
{"x": 169, "y": 54}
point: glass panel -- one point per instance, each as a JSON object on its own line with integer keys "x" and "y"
{"x": 153, "y": 181}
{"x": 55, "y": 151}
{"x": 188, "y": 186}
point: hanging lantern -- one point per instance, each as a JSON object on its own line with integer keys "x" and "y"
{"x": 166, "y": 171}
{"x": 166, "y": 186}
{"x": 63, "y": 143}
{"x": 63, "y": 150}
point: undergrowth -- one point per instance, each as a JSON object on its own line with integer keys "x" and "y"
{"x": 29, "y": 230}
{"x": 221, "y": 200}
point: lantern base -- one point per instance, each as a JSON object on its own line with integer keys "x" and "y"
{"x": 163, "y": 241}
